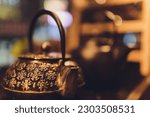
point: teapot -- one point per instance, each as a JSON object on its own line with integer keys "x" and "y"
{"x": 44, "y": 73}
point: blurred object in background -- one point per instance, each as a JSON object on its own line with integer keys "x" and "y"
{"x": 60, "y": 7}
{"x": 94, "y": 17}
{"x": 9, "y": 9}
{"x": 10, "y": 48}
{"x": 90, "y": 50}
{"x": 96, "y": 13}
{"x": 105, "y": 33}
{"x": 15, "y": 17}
{"x": 102, "y": 62}
{"x": 131, "y": 40}
{"x": 6, "y": 56}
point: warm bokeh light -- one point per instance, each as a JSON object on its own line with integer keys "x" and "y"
{"x": 65, "y": 17}
{"x": 55, "y": 5}
{"x": 100, "y": 1}
{"x": 129, "y": 40}
{"x": 60, "y": 8}
{"x": 115, "y": 18}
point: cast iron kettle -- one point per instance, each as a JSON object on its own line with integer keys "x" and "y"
{"x": 43, "y": 73}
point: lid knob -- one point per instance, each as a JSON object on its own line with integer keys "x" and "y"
{"x": 46, "y": 47}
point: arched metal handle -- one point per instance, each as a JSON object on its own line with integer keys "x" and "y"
{"x": 60, "y": 27}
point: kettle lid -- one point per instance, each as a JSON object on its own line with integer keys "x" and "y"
{"x": 45, "y": 54}
{"x": 49, "y": 56}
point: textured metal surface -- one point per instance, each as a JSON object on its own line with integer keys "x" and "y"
{"x": 40, "y": 56}
{"x": 32, "y": 76}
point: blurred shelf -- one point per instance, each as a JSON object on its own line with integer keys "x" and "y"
{"x": 13, "y": 29}
{"x": 136, "y": 26}
{"x": 88, "y": 4}
{"x": 121, "y": 2}
{"x": 134, "y": 56}
{"x": 97, "y": 28}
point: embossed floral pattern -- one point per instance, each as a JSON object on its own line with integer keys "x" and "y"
{"x": 32, "y": 76}
{"x": 31, "y": 67}
{"x": 26, "y": 85}
{"x": 42, "y": 85}
{"x": 21, "y": 66}
{"x": 12, "y": 83}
